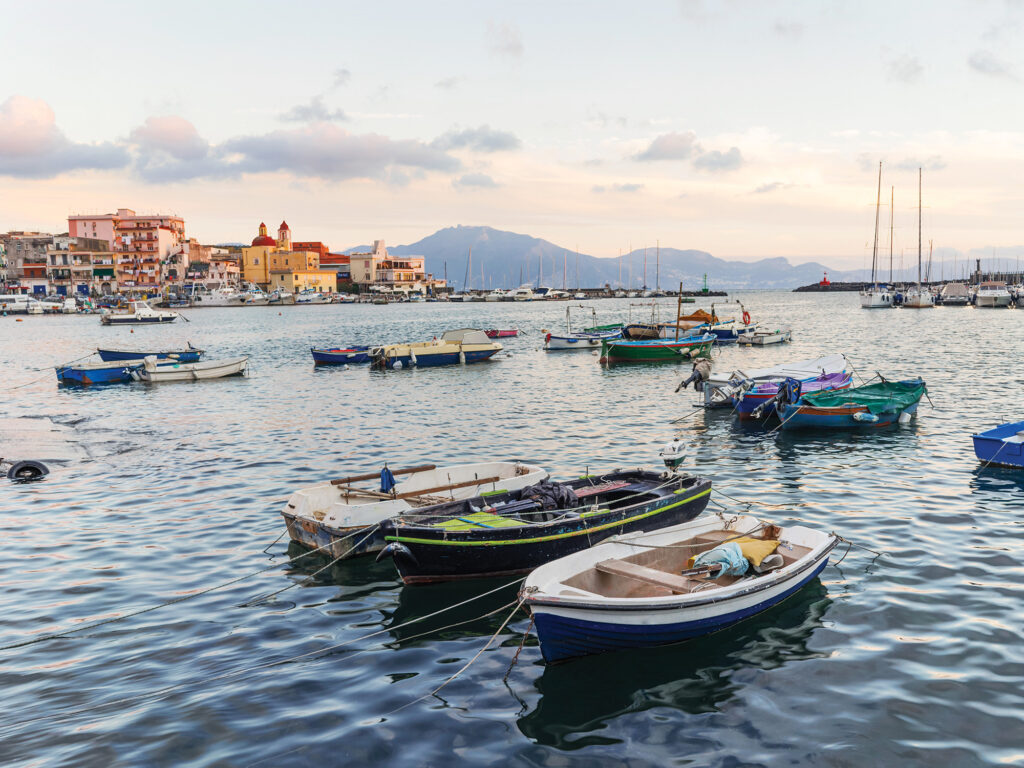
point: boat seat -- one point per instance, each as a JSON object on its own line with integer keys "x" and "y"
{"x": 675, "y": 582}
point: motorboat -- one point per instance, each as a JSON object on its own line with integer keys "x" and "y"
{"x": 879, "y": 404}
{"x": 579, "y": 339}
{"x": 651, "y": 589}
{"x": 760, "y": 399}
{"x": 498, "y": 294}
{"x": 337, "y": 512}
{"x": 761, "y": 337}
{"x": 215, "y": 294}
{"x": 954, "y": 295}
{"x": 523, "y": 293}
{"x": 656, "y": 350}
{"x": 309, "y": 296}
{"x": 992, "y": 294}
{"x": 720, "y": 388}
{"x": 138, "y": 312}
{"x": 462, "y": 345}
{"x": 153, "y": 371}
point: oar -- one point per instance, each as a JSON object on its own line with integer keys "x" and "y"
{"x": 701, "y": 570}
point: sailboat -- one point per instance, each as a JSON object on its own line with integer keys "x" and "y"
{"x": 918, "y": 297}
{"x": 876, "y": 297}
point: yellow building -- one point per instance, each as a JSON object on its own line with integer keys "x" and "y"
{"x": 266, "y": 256}
{"x": 298, "y": 280}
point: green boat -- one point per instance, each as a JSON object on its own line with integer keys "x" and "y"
{"x": 603, "y": 328}
{"x": 872, "y": 405}
{"x": 656, "y": 350}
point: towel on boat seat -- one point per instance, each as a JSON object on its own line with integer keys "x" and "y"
{"x": 736, "y": 556}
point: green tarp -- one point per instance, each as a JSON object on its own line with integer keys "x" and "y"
{"x": 883, "y": 397}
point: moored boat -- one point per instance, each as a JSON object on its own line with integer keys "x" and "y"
{"x": 463, "y": 345}
{"x": 872, "y": 405}
{"x": 674, "y": 584}
{"x": 89, "y": 374}
{"x": 139, "y": 312}
{"x": 757, "y": 401}
{"x": 656, "y": 350}
{"x": 503, "y": 333}
{"x": 340, "y": 355}
{"x": 515, "y": 531}
{"x": 1001, "y": 445}
{"x": 992, "y": 294}
{"x": 344, "y": 516}
{"x": 152, "y": 371}
{"x": 579, "y": 339}
{"x": 761, "y": 338}
{"x": 188, "y": 355}
{"x": 720, "y": 388}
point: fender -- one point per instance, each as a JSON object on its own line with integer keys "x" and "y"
{"x": 396, "y": 550}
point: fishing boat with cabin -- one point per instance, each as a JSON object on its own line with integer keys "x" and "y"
{"x": 461, "y": 346}
{"x": 515, "y": 531}
{"x": 652, "y": 589}
{"x": 343, "y": 516}
{"x": 878, "y": 404}
{"x": 139, "y": 312}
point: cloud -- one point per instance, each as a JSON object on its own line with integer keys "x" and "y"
{"x": 985, "y": 63}
{"x": 326, "y": 151}
{"x": 671, "y": 146}
{"x": 341, "y": 78}
{"x": 476, "y": 180}
{"x": 715, "y": 161}
{"x": 598, "y": 119}
{"x": 314, "y": 112}
{"x": 33, "y": 147}
{"x": 448, "y": 83}
{"x": 904, "y": 69}
{"x": 482, "y": 139}
{"x": 627, "y": 188}
{"x": 505, "y": 40}
{"x": 790, "y": 29}
{"x": 170, "y": 149}
{"x": 933, "y": 163}
{"x": 770, "y": 187}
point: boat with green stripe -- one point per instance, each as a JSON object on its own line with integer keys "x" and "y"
{"x": 513, "y": 532}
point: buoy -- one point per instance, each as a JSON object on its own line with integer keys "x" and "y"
{"x": 131, "y": 330}
{"x": 278, "y": 314}
{"x": 344, "y": 367}
{"x": 397, "y": 366}
{"x": 462, "y": 357}
{"x": 18, "y": 320}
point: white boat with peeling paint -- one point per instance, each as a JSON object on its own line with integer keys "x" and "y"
{"x": 153, "y": 371}
{"x": 341, "y": 514}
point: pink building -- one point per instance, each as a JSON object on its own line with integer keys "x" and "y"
{"x": 149, "y": 248}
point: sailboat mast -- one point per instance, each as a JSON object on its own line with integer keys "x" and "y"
{"x": 657, "y": 266}
{"x": 645, "y": 267}
{"x": 565, "y": 256}
{"x": 577, "y": 269}
{"x": 878, "y": 205}
{"x": 892, "y": 201}
{"x": 919, "y": 228}
{"x": 620, "y": 267}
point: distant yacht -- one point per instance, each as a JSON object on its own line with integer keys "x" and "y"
{"x": 523, "y": 293}
{"x": 954, "y": 295}
{"x": 992, "y": 295}
{"x": 877, "y": 296}
{"x": 919, "y": 297}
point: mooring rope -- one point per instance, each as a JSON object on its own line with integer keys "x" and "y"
{"x": 265, "y": 665}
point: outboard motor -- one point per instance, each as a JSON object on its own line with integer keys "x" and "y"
{"x": 701, "y": 373}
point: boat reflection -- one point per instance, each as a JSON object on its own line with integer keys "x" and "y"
{"x": 469, "y": 620}
{"x": 580, "y": 697}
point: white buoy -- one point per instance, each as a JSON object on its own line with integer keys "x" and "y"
{"x": 398, "y": 365}
{"x": 462, "y": 357}
{"x": 344, "y": 367}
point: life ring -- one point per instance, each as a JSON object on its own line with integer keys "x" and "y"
{"x": 746, "y": 317}
{"x": 547, "y": 339}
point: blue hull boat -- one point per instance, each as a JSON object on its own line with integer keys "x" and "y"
{"x": 1001, "y": 446}
{"x": 870, "y": 406}
{"x": 463, "y": 345}
{"x": 340, "y": 356}
{"x": 431, "y": 360}
{"x": 88, "y": 374}
{"x": 189, "y": 355}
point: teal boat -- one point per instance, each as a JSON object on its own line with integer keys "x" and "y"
{"x": 656, "y": 350}
{"x": 872, "y": 405}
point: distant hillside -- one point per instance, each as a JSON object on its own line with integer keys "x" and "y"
{"x": 507, "y": 259}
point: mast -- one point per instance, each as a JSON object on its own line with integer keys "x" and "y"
{"x": 874, "y": 252}
{"x": 657, "y": 266}
{"x": 919, "y": 228}
{"x": 565, "y": 256}
{"x": 892, "y": 200}
{"x": 645, "y": 267}
{"x": 620, "y": 267}
{"x": 577, "y": 269}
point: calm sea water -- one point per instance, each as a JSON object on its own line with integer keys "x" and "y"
{"x": 911, "y": 658}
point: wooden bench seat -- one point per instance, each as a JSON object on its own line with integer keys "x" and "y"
{"x": 672, "y": 581}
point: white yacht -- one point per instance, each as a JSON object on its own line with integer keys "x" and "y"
{"x": 523, "y": 293}
{"x": 215, "y": 294}
{"x": 991, "y": 295}
{"x": 498, "y": 294}
{"x": 309, "y": 296}
{"x": 954, "y": 295}
{"x": 918, "y": 298}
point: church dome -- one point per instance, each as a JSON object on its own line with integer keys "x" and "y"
{"x": 263, "y": 238}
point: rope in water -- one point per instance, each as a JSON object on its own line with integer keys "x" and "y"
{"x": 47, "y": 375}
{"x": 245, "y": 670}
{"x": 95, "y": 624}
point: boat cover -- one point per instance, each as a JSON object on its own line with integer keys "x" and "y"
{"x": 881, "y": 397}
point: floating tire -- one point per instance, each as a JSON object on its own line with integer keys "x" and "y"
{"x": 27, "y": 470}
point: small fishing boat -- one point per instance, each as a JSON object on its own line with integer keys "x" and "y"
{"x": 1001, "y": 445}
{"x": 341, "y": 514}
{"x": 515, "y": 531}
{"x": 89, "y": 374}
{"x": 579, "y": 339}
{"x": 340, "y": 355}
{"x": 309, "y": 296}
{"x": 872, "y": 405}
{"x": 731, "y": 331}
{"x": 760, "y": 337}
{"x": 152, "y": 371}
{"x": 656, "y": 350}
{"x": 188, "y": 355}
{"x": 720, "y": 388}
{"x": 674, "y": 584}
{"x": 507, "y": 333}
{"x": 759, "y": 400}
{"x": 461, "y": 346}
{"x": 139, "y": 312}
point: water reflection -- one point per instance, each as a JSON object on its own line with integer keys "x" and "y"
{"x": 580, "y": 697}
{"x": 469, "y": 620}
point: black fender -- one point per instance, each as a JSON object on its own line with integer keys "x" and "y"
{"x": 396, "y": 550}
{"x": 27, "y": 470}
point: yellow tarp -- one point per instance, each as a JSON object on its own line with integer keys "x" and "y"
{"x": 756, "y": 550}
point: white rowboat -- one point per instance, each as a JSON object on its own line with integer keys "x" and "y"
{"x": 212, "y": 369}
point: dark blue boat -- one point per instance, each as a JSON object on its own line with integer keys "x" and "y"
{"x": 188, "y": 355}
{"x": 86, "y": 374}
{"x": 1001, "y": 446}
{"x": 340, "y": 355}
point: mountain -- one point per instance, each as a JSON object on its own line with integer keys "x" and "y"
{"x": 506, "y": 259}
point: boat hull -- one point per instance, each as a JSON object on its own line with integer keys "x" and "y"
{"x": 554, "y": 341}
{"x": 69, "y": 375}
{"x": 752, "y": 400}
{"x": 181, "y": 356}
{"x": 431, "y": 360}
{"x": 566, "y": 633}
{"x": 1001, "y": 446}
{"x": 129, "y": 320}
{"x": 351, "y": 355}
{"x": 808, "y": 417}
{"x": 214, "y": 369}
{"x": 615, "y": 351}
{"x": 510, "y": 551}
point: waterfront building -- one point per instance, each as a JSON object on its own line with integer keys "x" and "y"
{"x": 340, "y": 264}
{"x": 274, "y": 264}
{"x": 298, "y": 280}
{"x": 379, "y": 271}
{"x": 25, "y": 255}
{"x": 80, "y": 265}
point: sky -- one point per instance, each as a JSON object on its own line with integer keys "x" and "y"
{"x": 745, "y": 129}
